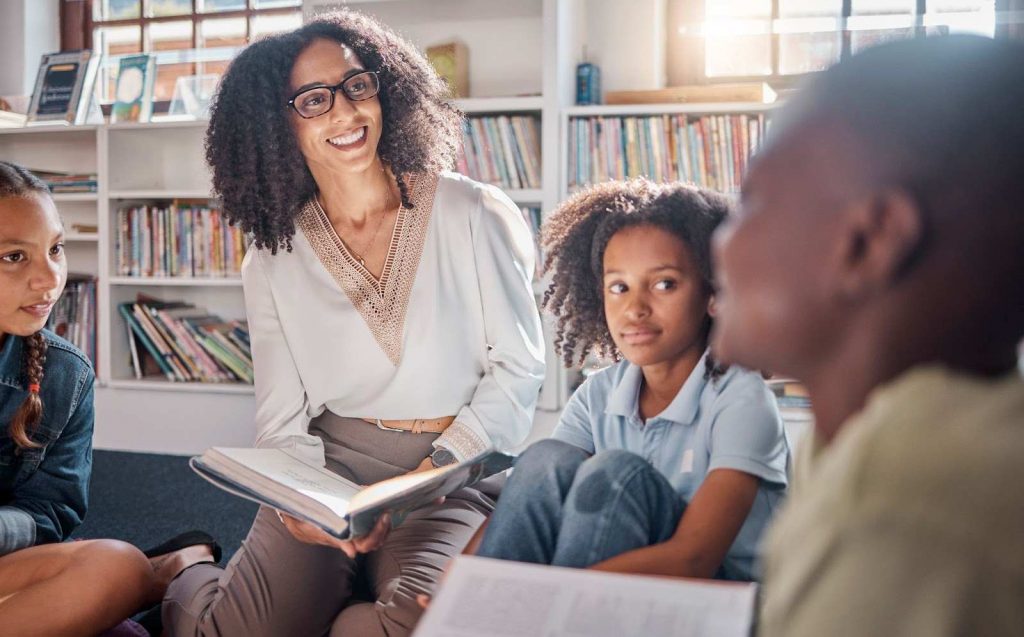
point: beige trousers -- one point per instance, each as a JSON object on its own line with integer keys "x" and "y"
{"x": 277, "y": 586}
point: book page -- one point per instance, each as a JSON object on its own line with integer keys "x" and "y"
{"x": 499, "y": 598}
{"x": 291, "y": 472}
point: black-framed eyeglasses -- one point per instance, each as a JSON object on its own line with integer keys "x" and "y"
{"x": 315, "y": 101}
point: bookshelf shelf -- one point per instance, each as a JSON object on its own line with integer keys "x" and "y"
{"x": 49, "y": 130}
{"x": 175, "y": 282}
{"x": 74, "y": 197}
{"x": 168, "y": 386}
{"x": 481, "y": 105}
{"x": 159, "y": 124}
{"x": 82, "y": 237}
{"x": 708, "y": 108}
{"x": 530, "y": 195}
{"x": 161, "y": 194}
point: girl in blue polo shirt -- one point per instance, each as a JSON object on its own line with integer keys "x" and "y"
{"x": 663, "y": 463}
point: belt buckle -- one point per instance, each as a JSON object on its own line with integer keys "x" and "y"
{"x": 383, "y": 427}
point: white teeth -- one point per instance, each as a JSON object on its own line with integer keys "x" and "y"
{"x": 351, "y": 138}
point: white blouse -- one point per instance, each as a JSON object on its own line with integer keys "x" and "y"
{"x": 452, "y": 329}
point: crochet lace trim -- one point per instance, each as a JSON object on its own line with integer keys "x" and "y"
{"x": 382, "y": 303}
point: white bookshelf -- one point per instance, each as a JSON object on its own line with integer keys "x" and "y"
{"x": 522, "y": 62}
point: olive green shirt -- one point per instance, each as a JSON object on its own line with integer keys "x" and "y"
{"x": 911, "y": 522}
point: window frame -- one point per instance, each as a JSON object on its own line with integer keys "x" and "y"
{"x": 845, "y": 51}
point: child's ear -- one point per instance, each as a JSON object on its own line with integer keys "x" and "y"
{"x": 882, "y": 235}
{"x": 712, "y": 307}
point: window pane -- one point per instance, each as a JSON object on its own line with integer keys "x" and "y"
{"x": 961, "y": 16}
{"x": 156, "y": 8}
{"x": 809, "y": 8}
{"x": 738, "y": 55}
{"x": 270, "y": 4}
{"x": 266, "y": 24}
{"x": 116, "y": 9}
{"x": 169, "y": 36}
{"x": 731, "y": 9}
{"x": 110, "y": 43}
{"x": 210, "y": 6}
{"x": 808, "y": 52}
{"x": 222, "y": 32}
{"x": 874, "y": 7}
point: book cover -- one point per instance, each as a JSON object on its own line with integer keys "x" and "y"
{"x": 63, "y": 88}
{"x": 134, "y": 92}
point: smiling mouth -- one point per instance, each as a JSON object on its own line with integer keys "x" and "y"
{"x": 39, "y": 309}
{"x": 349, "y": 139}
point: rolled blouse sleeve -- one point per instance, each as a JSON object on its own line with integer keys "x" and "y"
{"x": 282, "y": 418}
{"x": 500, "y": 413}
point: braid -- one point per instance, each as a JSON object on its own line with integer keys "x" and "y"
{"x": 31, "y": 411}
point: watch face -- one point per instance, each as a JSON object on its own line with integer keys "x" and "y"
{"x": 442, "y": 457}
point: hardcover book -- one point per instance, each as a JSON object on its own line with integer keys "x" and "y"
{"x": 64, "y": 88}
{"x": 288, "y": 482}
{"x": 134, "y": 92}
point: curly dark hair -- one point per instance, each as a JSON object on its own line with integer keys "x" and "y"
{"x": 259, "y": 172}
{"x": 578, "y": 231}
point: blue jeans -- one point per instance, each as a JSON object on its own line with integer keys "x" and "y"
{"x": 564, "y": 507}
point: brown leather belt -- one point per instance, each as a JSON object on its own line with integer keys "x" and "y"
{"x": 414, "y": 425}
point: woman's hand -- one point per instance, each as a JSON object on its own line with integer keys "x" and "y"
{"x": 310, "y": 534}
{"x": 426, "y": 465}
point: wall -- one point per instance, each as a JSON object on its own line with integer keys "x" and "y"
{"x": 28, "y": 29}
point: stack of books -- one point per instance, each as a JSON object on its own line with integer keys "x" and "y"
{"x": 710, "y": 151}
{"x": 63, "y": 182}
{"x": 74, "y": 315}
{"x": 185, "y": 343}
{"x": 180, "y": 240}
{"x": 502, "y": 150}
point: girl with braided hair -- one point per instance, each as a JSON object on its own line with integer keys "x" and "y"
{"x": 663, "y": 463}
{"x": 48, "y": 587}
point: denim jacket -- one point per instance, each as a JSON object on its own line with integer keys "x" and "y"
{"x": 43, "y": 491}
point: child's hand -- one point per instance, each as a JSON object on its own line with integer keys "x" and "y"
{"x": 423, "y": 601}
{"x": 310, "y": 534}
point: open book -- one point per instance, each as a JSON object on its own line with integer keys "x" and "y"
{"x": 290, "y": 483}
{"x": 482, "y": 596}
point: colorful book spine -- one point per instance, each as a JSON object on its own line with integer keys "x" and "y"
{"x": 711, "y": 150}
{"x": 177, "y": 241}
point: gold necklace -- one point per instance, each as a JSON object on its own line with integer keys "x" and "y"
{"x": 373, "y": 240}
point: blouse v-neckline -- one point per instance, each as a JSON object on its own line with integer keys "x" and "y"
{"x": 381, "y": 302}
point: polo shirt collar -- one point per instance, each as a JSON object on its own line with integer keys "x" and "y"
{"x": 624, "y": 399}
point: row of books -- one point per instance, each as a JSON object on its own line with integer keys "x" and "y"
{"x": 533, "y": 218}
{"x": 74, "y": 315}
{"x": 180, "y": 240}
{"x": 502, "y": 150}
{"x": 185, "y": 343}
{"x": 710, "y": 151}
{"x": 793, "y": 400}
{"x": 64, "y": 182}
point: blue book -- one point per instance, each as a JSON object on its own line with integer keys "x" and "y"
{"x": 134, "y": 92}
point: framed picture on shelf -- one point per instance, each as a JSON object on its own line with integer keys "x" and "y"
{"x": 134, "y": 92}
{"x": 63, "y": 92}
